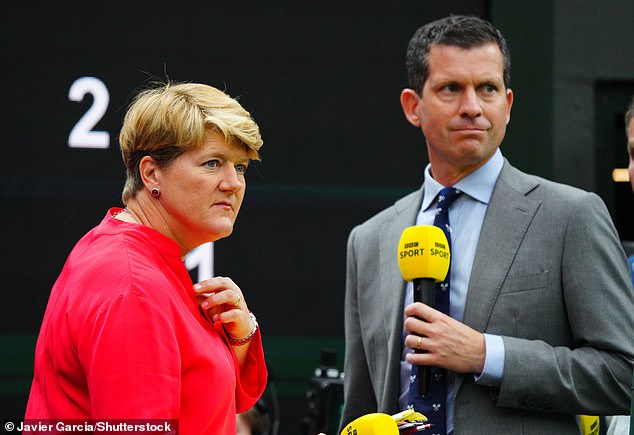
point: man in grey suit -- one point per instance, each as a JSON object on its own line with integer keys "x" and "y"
{"x": 541, "y": 320}
{"x": 619, "y": 424}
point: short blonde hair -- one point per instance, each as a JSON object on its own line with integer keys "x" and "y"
{"x": 166, "y": 120}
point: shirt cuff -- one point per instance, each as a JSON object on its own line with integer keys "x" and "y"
{"x": 491, "y": 376}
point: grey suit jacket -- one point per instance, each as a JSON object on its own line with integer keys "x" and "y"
{"x": 549, "y": 276}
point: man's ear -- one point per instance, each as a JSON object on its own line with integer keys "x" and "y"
{"x": 148, "y": 169}
{"x": 509, "y": 103}
{"x": 409, "y": 102}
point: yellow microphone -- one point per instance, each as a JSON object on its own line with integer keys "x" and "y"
{"x": 423, "y": 257}
{"x": 372, "y": 424}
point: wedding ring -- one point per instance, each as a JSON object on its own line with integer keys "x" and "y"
{"x": 236, "y": 303}
{"x": 420, "y": 339}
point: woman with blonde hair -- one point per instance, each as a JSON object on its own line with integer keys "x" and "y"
{"x": 126, "y": 334}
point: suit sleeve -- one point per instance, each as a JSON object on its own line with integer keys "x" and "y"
{"x": 359, "y": 398}
{"x": 593, "y": 374}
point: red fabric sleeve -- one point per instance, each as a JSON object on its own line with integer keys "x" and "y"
{"x": 253, "y": 376}
{"x": 131, "y": 357}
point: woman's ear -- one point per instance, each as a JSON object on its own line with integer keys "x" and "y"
{"x": 410, "y": 101}
{"x": 149, "y": 171}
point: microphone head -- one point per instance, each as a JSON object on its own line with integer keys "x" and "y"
{"x": 423, "y": 252}
{"x": 372, "y": 424}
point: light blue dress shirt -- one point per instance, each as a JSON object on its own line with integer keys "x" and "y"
{"x": 466, "y": 215}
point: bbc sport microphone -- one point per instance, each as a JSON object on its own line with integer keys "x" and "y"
{"x": 423, "y": 257}
{"x": 372, "y": 424}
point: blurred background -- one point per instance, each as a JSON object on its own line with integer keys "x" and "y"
{"x": 322, "y": 79}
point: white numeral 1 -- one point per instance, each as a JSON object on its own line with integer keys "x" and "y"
{"x": 203, "y": 258}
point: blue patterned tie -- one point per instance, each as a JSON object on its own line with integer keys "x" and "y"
{"x": 432, "y": 404}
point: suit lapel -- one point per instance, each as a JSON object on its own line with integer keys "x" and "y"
{"x": 392, "y": 286}
{"x": 507, "y": 219}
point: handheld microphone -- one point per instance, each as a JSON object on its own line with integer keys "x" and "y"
{"x": 372, "y": 424}
{"x": 423, "y": 257}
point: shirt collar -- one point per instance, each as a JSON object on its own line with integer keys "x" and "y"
{"x": 478, "y": 185}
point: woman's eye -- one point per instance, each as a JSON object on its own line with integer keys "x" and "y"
{"x": 241, "y": 168}
{"x": 213, "y": 164}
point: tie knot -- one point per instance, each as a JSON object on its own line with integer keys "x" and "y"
{"x": 447, "y": 196}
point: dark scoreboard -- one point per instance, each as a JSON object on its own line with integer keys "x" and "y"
{"x": 322, "y": 79}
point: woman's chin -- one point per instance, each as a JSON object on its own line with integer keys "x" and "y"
{"x": 220, "y": 232}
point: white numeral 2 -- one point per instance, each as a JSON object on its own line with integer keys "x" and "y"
{"x": 83, "y": 135}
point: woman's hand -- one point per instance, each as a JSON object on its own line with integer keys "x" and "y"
{"x": 223, "y": 301}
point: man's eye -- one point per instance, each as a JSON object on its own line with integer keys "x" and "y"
{"x": 213, "y": 164}
{"x": 241, "y": 168}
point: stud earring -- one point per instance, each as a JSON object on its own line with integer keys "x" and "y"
{"x": 155, "y": 192}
